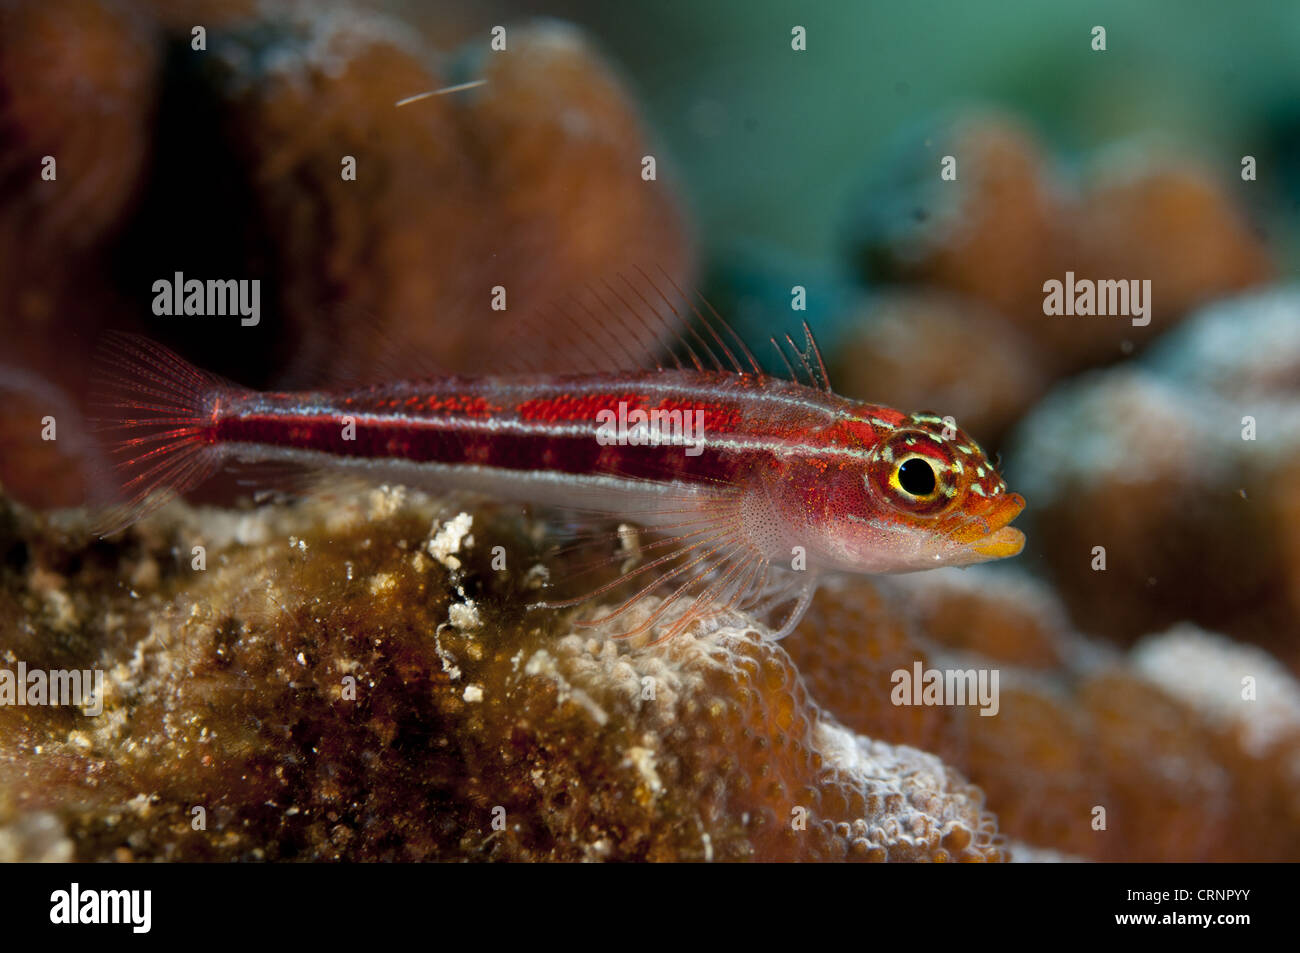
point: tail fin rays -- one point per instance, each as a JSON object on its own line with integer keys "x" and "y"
{"x": 157, "y": 416}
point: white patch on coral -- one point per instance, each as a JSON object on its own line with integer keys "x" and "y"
{"x": 386, "y": 501}
{"x": 1029, "y": 854}
{"x": 1206, "y": 670}
{"x": 464, "y": 615}
{"x": 246, "y": 529}
{"x": 141, "y": 804}
{"x": 840, "y": 747}
{"x": 1241, "y": 348}
{"x": 382, "y": 582}
{"x": 542, "y": 663}
{"x": 448, "y": 660}
{"x": 473, "y": 693}
{"x": 877, "y": 765}
{"x": 448, "y": 537}
{"x": 643, "y": 759}
{"x": 35, "y": 837}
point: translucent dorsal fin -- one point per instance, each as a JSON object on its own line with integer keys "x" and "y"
{"x": 631, "y": 321}
{"x": 635, "y": 322}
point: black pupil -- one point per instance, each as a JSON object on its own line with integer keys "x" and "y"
{"x": 916, "y": 477}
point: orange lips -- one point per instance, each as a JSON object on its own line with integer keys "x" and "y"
{"x": 985, "y": 527}
{"x": 1002, "y": 540}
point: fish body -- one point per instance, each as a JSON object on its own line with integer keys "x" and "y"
{"x": 754, "y": 484}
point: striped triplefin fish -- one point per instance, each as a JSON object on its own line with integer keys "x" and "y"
{"x": 749, "y": 485}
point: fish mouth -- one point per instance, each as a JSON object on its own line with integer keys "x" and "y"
{"x": 1007, "y": 541}
{"x": 986, "y": 532}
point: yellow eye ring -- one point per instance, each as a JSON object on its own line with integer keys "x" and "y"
{"x": 914, "y": 478}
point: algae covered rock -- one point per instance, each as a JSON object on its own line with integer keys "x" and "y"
{"x": 358, "y": 677}
{"x": 351, "y": 678}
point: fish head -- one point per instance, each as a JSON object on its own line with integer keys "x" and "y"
{"x": 917, "y": 495}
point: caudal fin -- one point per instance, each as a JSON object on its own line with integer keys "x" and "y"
{"x": 156, "y": 415}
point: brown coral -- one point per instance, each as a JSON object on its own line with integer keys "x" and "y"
{"x": 949, "y": 354}
{"x": 987, "y": 234}
{"x": 1011, "y": 221}
{"x": 531, "y": 183}
{"x": 1181, "y": 468}
{"x": 1161, "y": 739}
{"x": 77, "y": 95}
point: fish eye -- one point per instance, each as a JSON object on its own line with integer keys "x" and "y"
{"x": 916, "y": 477}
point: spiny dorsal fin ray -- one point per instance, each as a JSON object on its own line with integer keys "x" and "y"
{"x": 807, "y": 360}
{"x": 637, "y": 322}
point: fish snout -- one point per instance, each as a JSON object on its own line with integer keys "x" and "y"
{"x": 1000, "y": 540}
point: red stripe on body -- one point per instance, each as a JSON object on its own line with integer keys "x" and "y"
{"x": 541, "y": 424}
